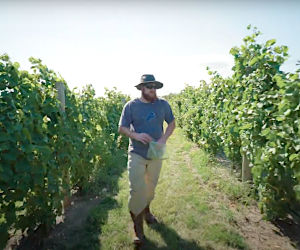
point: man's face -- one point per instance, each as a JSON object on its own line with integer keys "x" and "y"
{"x": 149, "y": 94}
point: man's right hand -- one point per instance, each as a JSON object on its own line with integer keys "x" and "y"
{"x": 142, "y": 137}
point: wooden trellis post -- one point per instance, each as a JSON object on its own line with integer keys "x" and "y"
{"x": 60, "y": 87}
{"x": 61, "y": 95}
{"x": 246, "y": 170}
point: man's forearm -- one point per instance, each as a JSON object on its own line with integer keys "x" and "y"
{"x": 169, "y": 130}
{"x": 126, "y": 131}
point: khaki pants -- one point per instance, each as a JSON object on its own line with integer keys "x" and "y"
{"x": 143, "y": 177}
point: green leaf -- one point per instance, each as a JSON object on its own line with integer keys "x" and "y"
{"x": 265, "y": 132}
{"x": 293, "y": 156}
{"x": 234, "y": 51}
{"x": 253, "y": 61}
{"x": 260, "y": 105}
{"x": 246, "y": 126}
{"x": 294, "y": 76}
{"x": 277, "y": 49}
{"x": 270, "y": 42}
{"x": 280, "y": 118}
{"x": 286, "y": 113}
{"x": 80, "y": 118}
{"x": 280, "y": 82}
{"x": 285, "y": 49}
{"x": 297, "y": 147}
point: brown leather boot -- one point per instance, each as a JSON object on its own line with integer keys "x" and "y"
{"x": 138, "y": 228}
{"x": 149, "y": 217}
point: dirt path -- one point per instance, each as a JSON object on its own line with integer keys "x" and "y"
{"x": 69, "y": 229}
{"x": 261, "y": 234}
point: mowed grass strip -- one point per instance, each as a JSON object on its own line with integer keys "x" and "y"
{"x": 193, "y": 204}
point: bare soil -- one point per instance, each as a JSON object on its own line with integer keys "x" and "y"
{"x": 261, "y": 234}
{"x": 67, "y": 229}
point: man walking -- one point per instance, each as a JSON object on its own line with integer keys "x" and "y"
{"x": 142, "y": 121}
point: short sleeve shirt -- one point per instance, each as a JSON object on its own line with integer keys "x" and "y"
{"x": 146, "y": 118}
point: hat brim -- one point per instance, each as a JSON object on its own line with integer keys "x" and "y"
{"x": 159, "y": 84}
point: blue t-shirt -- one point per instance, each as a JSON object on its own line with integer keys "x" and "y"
{"x": 146, "y": 118}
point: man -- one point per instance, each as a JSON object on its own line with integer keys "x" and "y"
{"x": 142, "y": 121}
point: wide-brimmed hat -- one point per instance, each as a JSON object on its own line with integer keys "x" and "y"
{"x": 147, "y": 78}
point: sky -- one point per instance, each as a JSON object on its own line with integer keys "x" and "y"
{"x": 113, "y": 43}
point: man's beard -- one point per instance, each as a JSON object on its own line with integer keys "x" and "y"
{"x": 149, "y": 98}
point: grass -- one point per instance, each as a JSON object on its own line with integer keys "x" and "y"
{"x": 192, "y": 203}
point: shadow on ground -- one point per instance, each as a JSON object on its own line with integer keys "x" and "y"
{"x": 171, "y": 238}
{"x": 290, "y": 228}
